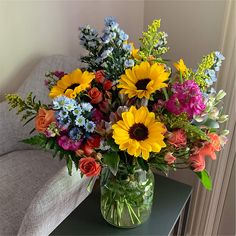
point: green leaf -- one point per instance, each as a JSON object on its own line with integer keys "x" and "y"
{"x": 205, "y": 179}
{"x": 143, "y": 164}
{"x": 113, "y": 145}
{"x": 212, "y": 124}
{"x": 112, "y": 159}
{"x": 39, "y": 140}
{"x": 69, "y": 164}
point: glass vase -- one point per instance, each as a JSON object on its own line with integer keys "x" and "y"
{"x": 126, "y": 199}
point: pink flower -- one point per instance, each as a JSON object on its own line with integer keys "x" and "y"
{"x": 67, "y": 144}
{"x": 177, "y": 138}
{"x": 169, "y": 158}
{"x": 197, "y": 162}
{"x": 187, "y": 97}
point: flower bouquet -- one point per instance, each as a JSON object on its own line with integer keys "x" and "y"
{"x": 126, "y": 113}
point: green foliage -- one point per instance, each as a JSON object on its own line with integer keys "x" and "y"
{"x": 113, "y": 145}
{"x": 28, "y": 107}
{"x": 50, "y": 144}
{"x": 153, "y": 42}
{"x": 200, "y": 76}
{"x": 181, "y": 121}
{"x": 157, "y": 161}
{"x": 112, "y": 160}
{"x": 205, "y": 179}
{"x": 143, "y": 164}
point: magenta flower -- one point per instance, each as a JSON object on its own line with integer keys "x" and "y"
{"x": 68, "y": 144}
{"x": 186, "y": 97}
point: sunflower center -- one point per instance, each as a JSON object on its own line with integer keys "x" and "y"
{"x": 142, "y": 84}
{"x": 73, "y": 86}
{"x": 138, "y": 131}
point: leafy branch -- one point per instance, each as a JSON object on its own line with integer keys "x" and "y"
{"x": 28, "y": 107}
{"x": 153, "y": 41}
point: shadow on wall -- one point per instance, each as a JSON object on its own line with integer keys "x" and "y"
{"x": 18, "y": 75}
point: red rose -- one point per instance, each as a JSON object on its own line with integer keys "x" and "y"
{"x": 89, "y": 166}
{"x": 107, "y": 85}
{"x": 100, "y": 76}
{"x": 87, "y": 149}
{"x": 95, "y": 95}
{"x": 94, "y": 141}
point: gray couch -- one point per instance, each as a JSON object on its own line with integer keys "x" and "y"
{"x": 36, "y": 192}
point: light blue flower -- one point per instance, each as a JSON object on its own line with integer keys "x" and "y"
{"x": 59, "y": 102}
{"x": 86, "y": 106}
{"x": 92, "y": 44}
{"x": 106, "y": 38}
{"x": 219, "y": 55}
{"x": 90, "y": 126}
{"x": 111, "y": 22}
{"x": 75, "y": 133}
{"x": 80, "y": 121}
{"x": 77, "y": 111}
{"x": 70, "y": 105}
{"x": 106, "y": 53}
{"x": 63, "y": 114}
{"x": 123, "y": 36}
{"x": 129, "y": 63}
{"x": 127, "y": 47}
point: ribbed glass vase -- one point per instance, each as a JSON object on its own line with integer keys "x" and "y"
{"x": 126, "y": 199}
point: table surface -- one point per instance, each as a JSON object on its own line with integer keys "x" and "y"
{"x": 170, "y": 198}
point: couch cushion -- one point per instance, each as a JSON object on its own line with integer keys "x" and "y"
{"x": 22, "y": 174}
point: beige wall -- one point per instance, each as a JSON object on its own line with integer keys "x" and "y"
{"x": 30, "y": 30}
{"x": 194, "y": 29}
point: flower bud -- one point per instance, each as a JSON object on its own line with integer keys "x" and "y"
{"x": 214, "y": 114}
{"x": 225, "y": 132}
{"x": 223, "y": 118}
{"x": 220, "y": 95}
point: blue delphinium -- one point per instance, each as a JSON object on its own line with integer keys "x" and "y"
{"x": 211, "y": 73}
{"x": 129, "y": 63}
{"x": 106, "y": 53}
{"x": 111, "y": 22}
{"x": 127, "y": 47}
{"x": 123, "y": 36}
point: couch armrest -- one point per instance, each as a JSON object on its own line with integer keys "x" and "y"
{"x": 11, "y": 128}
{"x": 54, "y": 202}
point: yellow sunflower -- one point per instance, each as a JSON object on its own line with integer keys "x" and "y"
{"x": 143, "y": 80}
{"x": 72, "y": 84}
{"x": 139, "y": 133}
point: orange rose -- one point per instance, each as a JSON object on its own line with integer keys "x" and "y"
{"x": 43, "y": 119}
{"x": 89, "y": 166}
{"x": 95, "y": 95}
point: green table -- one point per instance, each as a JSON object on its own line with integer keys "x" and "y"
{"x": 169, "y": 214}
